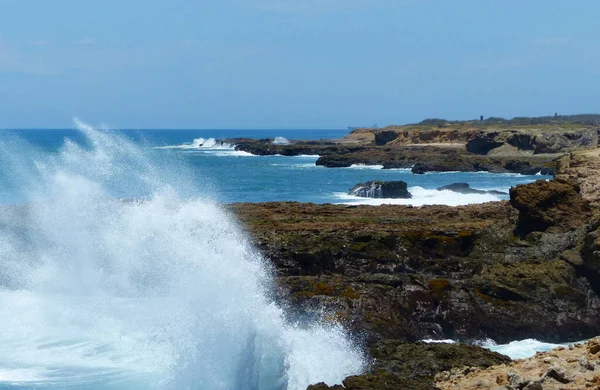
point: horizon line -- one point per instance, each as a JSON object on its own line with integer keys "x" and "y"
{"x": 181, "y": 129}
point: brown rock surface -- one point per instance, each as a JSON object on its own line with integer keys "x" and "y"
{"x": 414, "y": 366}
{"x": 529, "y": 268}
{"x": 398, "y": 272}
{"x": 576, "y": 367}
{"x": 584, "y": 168}
{"x": 549, "y": 205}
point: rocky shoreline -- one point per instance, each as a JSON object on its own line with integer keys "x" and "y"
{"x": 439, "y": 146}
{"x": 524, "y": 268}
{"x": 574, "y": 367}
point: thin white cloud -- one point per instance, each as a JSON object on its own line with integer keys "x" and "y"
{"x": 85, "y": 41}
{"x": 314, "y": 6}
{"x": 551, "y": 41}
{"x": 18, "y": 61}
{"x": 36, "y": 43}
{"x": 7, "y": 56}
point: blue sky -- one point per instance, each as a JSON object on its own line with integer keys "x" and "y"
{"x": 293, "y": 63}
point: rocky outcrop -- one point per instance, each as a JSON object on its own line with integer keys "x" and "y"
{"x": 384, "y": 137}
{"x": 583, "y": 167}
{"x": 527, "y": 268}
{"x": 573, "y": 367}
{"x": 381, "y": 189}
{"x": 540, "y": 140}
{"x": 414, "y": 366}
{"x": 570, "y": 140}
{"x": 550, "y": 205}
{"x": 523, "y": 145}
{"x": 399, "y": 272}
{"x": 482, "y": 143}
{"x": 268, "y": 147}
{"x": 465, "y": 188}
{"x": 438, "y": 159}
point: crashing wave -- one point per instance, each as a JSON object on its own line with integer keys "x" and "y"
{"x": 280, "y": 141}
{"x": 518, "y": 349}
{"x": 522, "y": 349}
{"x": 201, "y": 143}
{"x": 161, "y": 293}
{"x": 365, "y": 166}
{"x": 420, "y": 197}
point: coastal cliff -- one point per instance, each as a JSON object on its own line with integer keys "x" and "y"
{"x": 524, "y": 268}
{"x": 521, "y": 145}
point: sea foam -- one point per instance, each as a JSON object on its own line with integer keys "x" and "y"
{"x": 420, "y": 197}
{"x": 163, "y": 291}
{"x": 201, "y": 143}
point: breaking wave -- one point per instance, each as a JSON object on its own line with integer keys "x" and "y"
{"x": 163, "y": 291}
{"x": 421, "y": 197}
{"x": 522, "y": 349}
{"x": 281, "y": 141}
{"x": 201, "y": 143}
{"x": 365, "y": 166}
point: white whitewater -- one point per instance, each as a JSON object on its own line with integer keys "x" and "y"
{"x": 201, "y": 143}
{"x": 421, "y": 197}
{"x": 518, "y": 349}
{"x": 163, "y": 292}
{"x": 365, "y": 166}
{"x": 281, "y": 141}
{"x": 523, "y": 349}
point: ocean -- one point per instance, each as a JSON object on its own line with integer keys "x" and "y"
{"x": 234, "y": 176}
{"x": 120, "y": 269}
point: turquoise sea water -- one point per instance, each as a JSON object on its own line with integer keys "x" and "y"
{"x": 238, "y": 177}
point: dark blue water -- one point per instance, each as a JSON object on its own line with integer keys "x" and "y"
{"x": 53, "y": 139}
{"x": 232, "y": 176}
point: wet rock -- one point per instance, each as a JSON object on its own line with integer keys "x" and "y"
{"x": 381, "y": 189}
{"x": 532, "y": 373}
{"x": 399, "y": 365}
{"x": 419, "y": 169}
{"x": 397, "y": 272}
{"x": 465, "y": 188}
{"x": 323, "y": 386}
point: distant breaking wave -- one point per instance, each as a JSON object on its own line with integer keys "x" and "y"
{"x": 365, "y": 166}
{"x": 280, "y": 141}
{"x": 421, "y": 197}
{"x": 520, "y": 349}
{"x": 201, "y": 143}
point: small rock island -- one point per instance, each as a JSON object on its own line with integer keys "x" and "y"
{"x": 381, "y": 189}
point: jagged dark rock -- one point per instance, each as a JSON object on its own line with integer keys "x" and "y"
{"x": 383, "y": 137}
{"x": 419, "y": 169}
{"x": 546, "y": 204}
{"x": 432, "y": 272}
{"x": 400, "y": 365}
{"x": 528, "y": 268}
{"x": 465, "y": 188}
{"x": 381, "y": 189}
{"x": 482, "y": 143}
